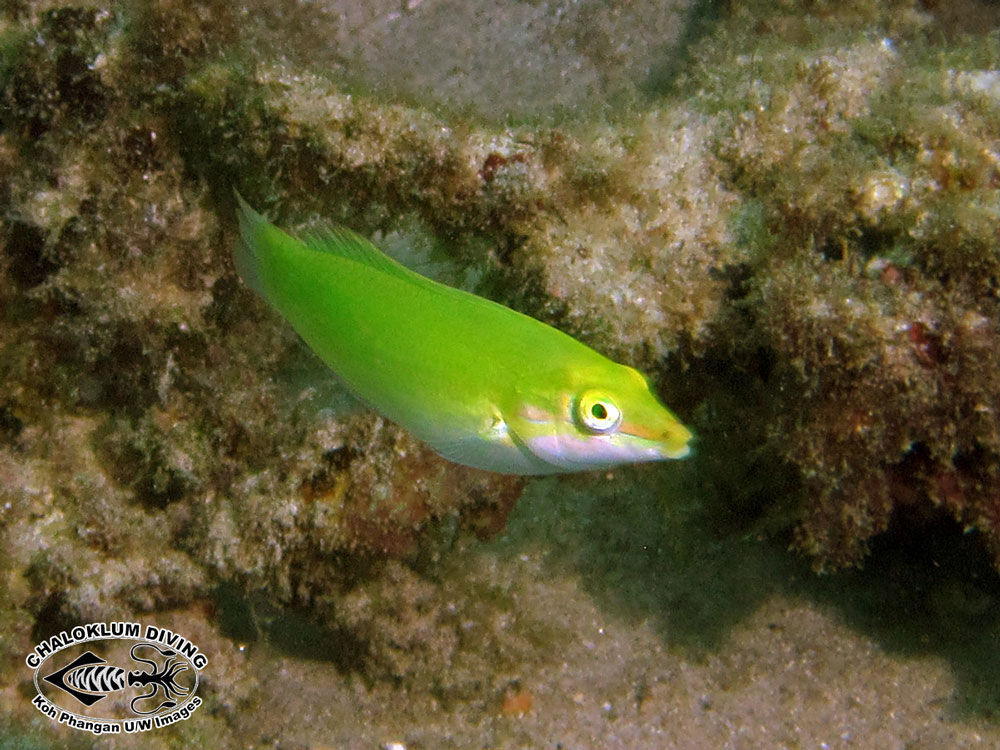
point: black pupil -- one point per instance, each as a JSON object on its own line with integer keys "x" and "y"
{"x": 599, "y": 411}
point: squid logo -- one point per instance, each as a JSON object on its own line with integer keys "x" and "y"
{"x": 147, "y": 681}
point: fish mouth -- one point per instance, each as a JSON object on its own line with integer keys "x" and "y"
{"x": 676, "y": 441}
{"x": 672, "y": 443}
{"x": 683, "y": 452}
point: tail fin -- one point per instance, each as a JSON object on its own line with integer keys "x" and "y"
{"x": 245, "y": 252}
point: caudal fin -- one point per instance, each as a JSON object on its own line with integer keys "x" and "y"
{"x": 245, "y": 252}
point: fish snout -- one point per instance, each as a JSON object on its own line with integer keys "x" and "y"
{"x": 677, "y": 441}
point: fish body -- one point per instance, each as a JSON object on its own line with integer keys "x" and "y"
{"x": 484, "y": 385}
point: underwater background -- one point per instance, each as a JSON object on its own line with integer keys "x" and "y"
{"x": 786, "y": 213}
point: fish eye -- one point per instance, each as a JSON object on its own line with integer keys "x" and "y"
{"x": 597, "y": 413}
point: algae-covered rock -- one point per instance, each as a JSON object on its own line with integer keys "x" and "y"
{"x": 874, "y": 274}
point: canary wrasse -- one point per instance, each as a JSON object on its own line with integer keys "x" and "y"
{"x": 482, "y": 384}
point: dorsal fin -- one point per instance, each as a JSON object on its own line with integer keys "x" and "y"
{"x": 349, "y": 245}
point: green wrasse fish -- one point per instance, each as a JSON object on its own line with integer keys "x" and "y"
{"x": 482, "y": 384}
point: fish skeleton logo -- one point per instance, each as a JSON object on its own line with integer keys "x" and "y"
{"x": 158, "y": 691}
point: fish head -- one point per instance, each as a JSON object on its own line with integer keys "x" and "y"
{"x": 600, "y": 420}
